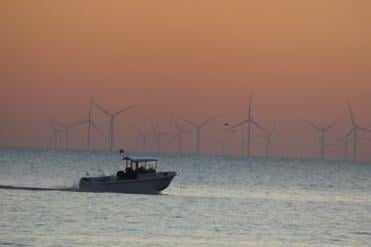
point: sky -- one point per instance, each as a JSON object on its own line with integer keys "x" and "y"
{"x": 302, "y": 59}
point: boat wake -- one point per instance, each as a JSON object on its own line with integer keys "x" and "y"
{"x": 10, "y": 187}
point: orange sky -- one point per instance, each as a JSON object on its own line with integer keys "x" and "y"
{"x": 196, "y": 58}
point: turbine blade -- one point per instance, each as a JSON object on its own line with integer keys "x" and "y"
{"x": 189, "y": 122}
{"x": 364, "y": 129}
{"x": 238, "y": 124}
{"x": 60, "y": 125}
{"x": 259, "y": 126}
{"x": 207, "y": 121}
{"x": 311, "y": 124}
{"x": 75, "y": 124}
{"x": 332, "y": 124}
{"x": 351, "y": 113}
{"x": 176, "y": 124}
{"x": 124, "y": 110}
{"x": 80, "y": 123}
{"x": 96, "y": 127}
{"x": 250, "y": 105}
{"x": 102, "y": 109}
{"x": 348, "y": 134}
{"x": 90, "y": 107}
{"x": 341, "y": 140}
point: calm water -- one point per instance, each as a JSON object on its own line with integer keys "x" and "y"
{"x": 214, "y": 201}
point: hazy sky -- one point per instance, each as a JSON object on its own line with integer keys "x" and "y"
{"x": 195, "y": 58}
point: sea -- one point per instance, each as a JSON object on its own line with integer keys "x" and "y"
{"x": 213, "y": 201}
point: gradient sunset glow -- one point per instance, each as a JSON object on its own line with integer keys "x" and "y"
{"x": 302, "y": 59}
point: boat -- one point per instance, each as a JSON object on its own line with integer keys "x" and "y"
{"x": 140, "y": 176}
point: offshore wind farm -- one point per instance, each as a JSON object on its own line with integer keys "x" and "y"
{"x": 185, "y": 123}
{"x": 247, "y": 128}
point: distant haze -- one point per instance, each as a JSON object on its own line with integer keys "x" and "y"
{"x": 302, "y": 59}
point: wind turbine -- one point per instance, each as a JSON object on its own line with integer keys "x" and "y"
{"x": 51, "y": 139}
{"x": 112, "y": 116}
{"x": 250, "y": 123}
{"x": 198, "y": 127}
{"x": 156, "y": 134}
{"x": 354, "y": 130}
{"x": 221, "y": 143}
{"x": 178, "y": 134}
{"x": 268, "y": 138}
{"x": 322, "y": 132}
{"x": 341, "y": 142}
{"x": 144, "y": 139}
{"x": 91, "y": 123}
{"x": 54, "y": 137}
{"x": 67, "y": 128}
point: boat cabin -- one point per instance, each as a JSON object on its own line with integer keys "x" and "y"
{"x": 143, "y": 165}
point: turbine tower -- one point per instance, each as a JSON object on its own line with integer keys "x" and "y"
{"x": 178, "y": 134}
{"x": 242, "y": 143}
{"x": 112, "y": 116}
{"x": 198, "y": 127}
{"x": 322, "y": 131}
{"x": 250, "y": 123}
{"x": 156, "y": 134}
{"x": 354, "y": 130}
{"x": 344, "y": 143}
{"x": 346, "y": 148}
